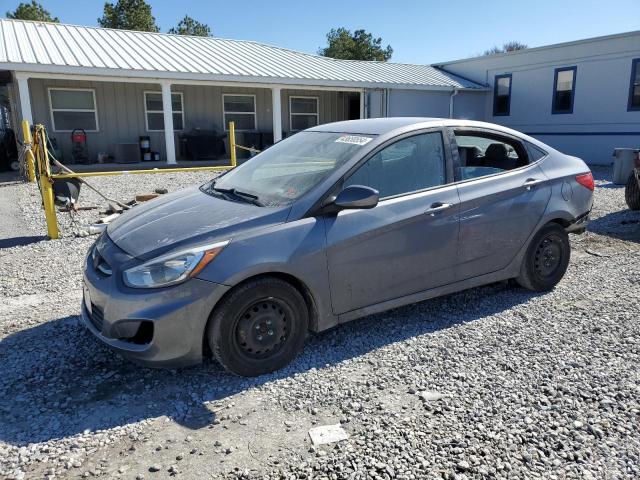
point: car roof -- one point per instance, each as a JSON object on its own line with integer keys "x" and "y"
{"x": 382, "y": 126}
{"x": 373, "y": 126}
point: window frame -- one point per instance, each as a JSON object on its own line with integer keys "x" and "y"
{"x": 52, "y": 110}
{"x": 146, "y": 112}
{"x": 225, "y": 124}
{"x": 291, "y": 114}
{"x": 635, "y": 70}
{"x": 554, "y": 110}
{"x": 446, "y": 150}
{"x": 500, "y": 136}
{"x": 495, "y": 94}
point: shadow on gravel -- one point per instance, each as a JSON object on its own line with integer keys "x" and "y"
{"x": 623, "y": 225}
{"x": 19, "y": 241}
{"x": 57, "y": 381}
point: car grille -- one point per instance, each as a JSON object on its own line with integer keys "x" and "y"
{"x": 96, "y": 316}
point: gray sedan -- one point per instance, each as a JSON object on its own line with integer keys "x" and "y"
{"x": 334, "y": 223}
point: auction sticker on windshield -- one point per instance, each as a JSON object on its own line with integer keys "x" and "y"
{"x": 354, "y": 139}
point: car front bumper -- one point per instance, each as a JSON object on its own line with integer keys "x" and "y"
{"x": 162, "y": 327}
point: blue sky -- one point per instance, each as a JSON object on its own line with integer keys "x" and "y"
{"x": 419, "y": 31}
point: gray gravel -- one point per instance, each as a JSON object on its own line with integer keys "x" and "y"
{"x": 492, "y": 382}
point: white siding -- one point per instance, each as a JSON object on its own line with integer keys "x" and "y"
{"x": 600, "y": 120}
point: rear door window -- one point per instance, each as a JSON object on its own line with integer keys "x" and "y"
{"x": 484, "y": 154}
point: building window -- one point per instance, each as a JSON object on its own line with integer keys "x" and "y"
{"x": 303, "y": 113}
{"x": 240, "y": 109}
{"x": 634, "y": 88}
{"x": 502, "y": 95}
{"x": 73, "y": 108}
{"x": 154, "y": 114}
{"x": 564, "y": 89}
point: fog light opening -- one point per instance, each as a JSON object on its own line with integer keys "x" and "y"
{"x": 144, "y": 335}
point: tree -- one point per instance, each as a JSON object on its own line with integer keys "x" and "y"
{"x": 189, "y": 26}
{"x": 128, "y": 15}
{"x": 357, "y": 46}
{"x": 506, "y": 47}
{"x": 32, "y": 11}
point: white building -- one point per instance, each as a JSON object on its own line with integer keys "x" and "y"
{"x": 581, "y": 97}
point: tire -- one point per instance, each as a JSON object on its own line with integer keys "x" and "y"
{"x": 546, "y": 260}
{"x": 259, "y": 327}
{"x": 632, "y": 192}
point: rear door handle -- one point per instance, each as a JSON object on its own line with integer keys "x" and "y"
{"x": 437, "y": 207}
{"x": 532, "y": 182}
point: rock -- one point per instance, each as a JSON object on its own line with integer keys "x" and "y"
{"x": 430, "y": 396}
{"x": 327, "y": 434}
{"x": 155, "y": 468}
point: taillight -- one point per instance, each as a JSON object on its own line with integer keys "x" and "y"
{"x": 586, "y": 180}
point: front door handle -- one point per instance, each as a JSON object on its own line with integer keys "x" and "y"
{"x": 532, "y": 182}
{"x": 437, "y": 207}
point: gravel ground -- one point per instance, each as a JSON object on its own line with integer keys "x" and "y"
{"x": 494, "y": 382}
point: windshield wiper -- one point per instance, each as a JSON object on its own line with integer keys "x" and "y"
{"x": 249, "y": 197}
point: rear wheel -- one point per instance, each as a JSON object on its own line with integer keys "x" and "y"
{"x": 546, "y": 260}
{"x": 259, "y": 327}
{"x": 632, "y": 192}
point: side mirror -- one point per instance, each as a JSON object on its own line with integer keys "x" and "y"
{"x": 357, "y": 196}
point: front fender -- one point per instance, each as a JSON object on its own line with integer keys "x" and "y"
{"x": 295, "y": 249}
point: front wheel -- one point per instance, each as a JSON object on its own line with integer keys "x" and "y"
{"x": 259, "y": 327}
{"x": 546, "y": 260}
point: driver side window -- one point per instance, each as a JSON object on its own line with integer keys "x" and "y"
{"x": 408, "y": 165}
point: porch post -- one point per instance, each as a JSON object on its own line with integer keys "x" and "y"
{"x": 167, "y": 110}
{"x": 277, "y": 114}
{"x": 25, "y": 100}
{"x": 363, "y": 92}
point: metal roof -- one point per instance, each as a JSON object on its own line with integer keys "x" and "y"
{"x": 60, "y": 48}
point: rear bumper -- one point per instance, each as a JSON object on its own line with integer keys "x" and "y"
{"x": 579, "y": 225}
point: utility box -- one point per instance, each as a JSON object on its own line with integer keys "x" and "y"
{"x": 623, "y": 164}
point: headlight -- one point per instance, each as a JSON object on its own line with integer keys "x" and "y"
{"x": 172, "y": 268}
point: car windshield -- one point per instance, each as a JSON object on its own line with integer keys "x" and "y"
{"x": 288, "y": 169}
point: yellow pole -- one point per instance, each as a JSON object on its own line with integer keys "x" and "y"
{"x": 49, "y": 207}
{"x": 140, "y": 172}
{"x": 27, "y": 140}
{"x": 46, "y": 185}
{"x": 232, "y": 142}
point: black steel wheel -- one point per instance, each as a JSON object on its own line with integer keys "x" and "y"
{"x": 263, "y": 328}
{"x": 546, "y": 260}
{"x": 259, "y": 327}
{"x": 632, "y": 192}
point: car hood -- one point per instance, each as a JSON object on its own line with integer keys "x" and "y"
{"x": 186, "y": 217}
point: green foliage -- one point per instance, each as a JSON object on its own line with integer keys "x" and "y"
{"x": 189, "y": 26}
{"x": 128, "y": 15}
{"x": 507, "y": 47}
{"x": 357, "y": 46}
{"x": 32, "y": 11}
